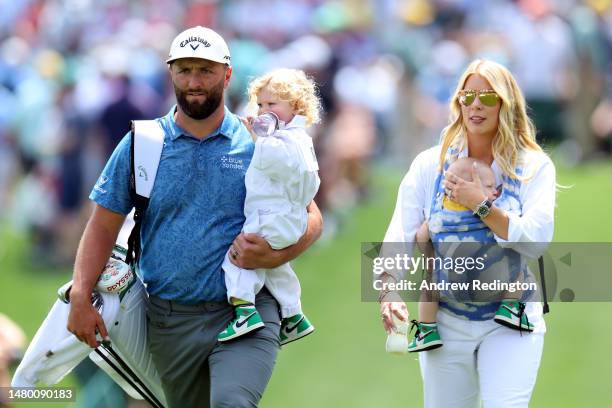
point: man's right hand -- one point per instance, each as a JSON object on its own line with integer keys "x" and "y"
{"x": 84, "y": 322}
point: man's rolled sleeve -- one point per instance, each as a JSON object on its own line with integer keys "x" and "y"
{"x": 111, "y": 191}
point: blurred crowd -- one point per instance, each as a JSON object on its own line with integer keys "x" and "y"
{"x": 74, "y": 72}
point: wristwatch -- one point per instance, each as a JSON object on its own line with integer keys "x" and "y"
{"x": 483, "y": 209}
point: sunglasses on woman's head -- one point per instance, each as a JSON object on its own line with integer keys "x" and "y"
{"x": 487, "y": 97}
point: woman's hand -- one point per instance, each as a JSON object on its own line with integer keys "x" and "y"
{"x": 390, "y": 309}
{"x": 467, "y": 193}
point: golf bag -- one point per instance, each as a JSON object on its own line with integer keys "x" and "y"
{"x": 54, "y": 352}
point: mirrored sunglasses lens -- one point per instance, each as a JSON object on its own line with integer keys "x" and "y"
{"x": 489, "y": 99}
{"x": 467, "y": 99}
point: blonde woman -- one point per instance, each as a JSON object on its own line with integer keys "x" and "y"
{"x": 481, "y": 361}
{"x": 281, "y": 182}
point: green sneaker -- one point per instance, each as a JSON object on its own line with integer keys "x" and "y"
{"x": 246, "y": 319}
{"x": 425, "y": 338}
{"x": 294, "y": 328}
{"x": 511, "y": 313}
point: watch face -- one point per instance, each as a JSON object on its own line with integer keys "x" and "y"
{"x": 483, "y": 211}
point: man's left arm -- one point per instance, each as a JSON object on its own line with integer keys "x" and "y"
{"x": 254, "y": 252}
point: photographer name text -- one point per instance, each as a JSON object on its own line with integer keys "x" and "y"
{"x": 475, "y": 285}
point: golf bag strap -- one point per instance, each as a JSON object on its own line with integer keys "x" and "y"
{"x": 545, "y": 309}
{"x": 147, "y": 142}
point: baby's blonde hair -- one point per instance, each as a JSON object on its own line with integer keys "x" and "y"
{"x": 293, "y": 86}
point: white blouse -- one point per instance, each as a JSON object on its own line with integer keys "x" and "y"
{"x": 530, "y": 229}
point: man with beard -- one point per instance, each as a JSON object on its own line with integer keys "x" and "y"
{"x": 194, "y": 214}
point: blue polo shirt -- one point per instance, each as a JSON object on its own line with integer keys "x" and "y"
{"x": 195, "y": 211}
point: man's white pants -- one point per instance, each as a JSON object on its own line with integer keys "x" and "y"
{"x": 282, "y": 282}
{"x": 482, "y": 361}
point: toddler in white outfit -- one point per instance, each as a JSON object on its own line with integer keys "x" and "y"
{"x": 281, "y": 181}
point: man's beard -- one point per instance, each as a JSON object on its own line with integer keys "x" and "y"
{"x": 200, "y": 110}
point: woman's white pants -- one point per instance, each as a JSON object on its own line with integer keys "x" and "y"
{"x": 482, "y": 361}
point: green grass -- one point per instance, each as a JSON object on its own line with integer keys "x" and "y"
{"x": 344, "y": 363}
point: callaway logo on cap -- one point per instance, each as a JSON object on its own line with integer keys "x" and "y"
{"x": 199, "y": 42}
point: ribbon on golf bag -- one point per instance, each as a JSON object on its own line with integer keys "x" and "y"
{"x": 147, "y": 142}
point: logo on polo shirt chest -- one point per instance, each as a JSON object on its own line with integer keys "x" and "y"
{"x": 228, "y": 162}
{"x": 197, "y": 40}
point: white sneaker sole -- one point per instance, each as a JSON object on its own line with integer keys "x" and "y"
{"x": 249, "y": 329}
{"x": 426, "y": 346}
{"x": 298, "y": 336}
{"x": 511, "y": 323}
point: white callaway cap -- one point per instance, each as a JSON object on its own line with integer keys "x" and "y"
{"x": 199, "y": 42}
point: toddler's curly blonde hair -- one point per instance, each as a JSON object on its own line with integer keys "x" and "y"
{"x": 293, "y": 86}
